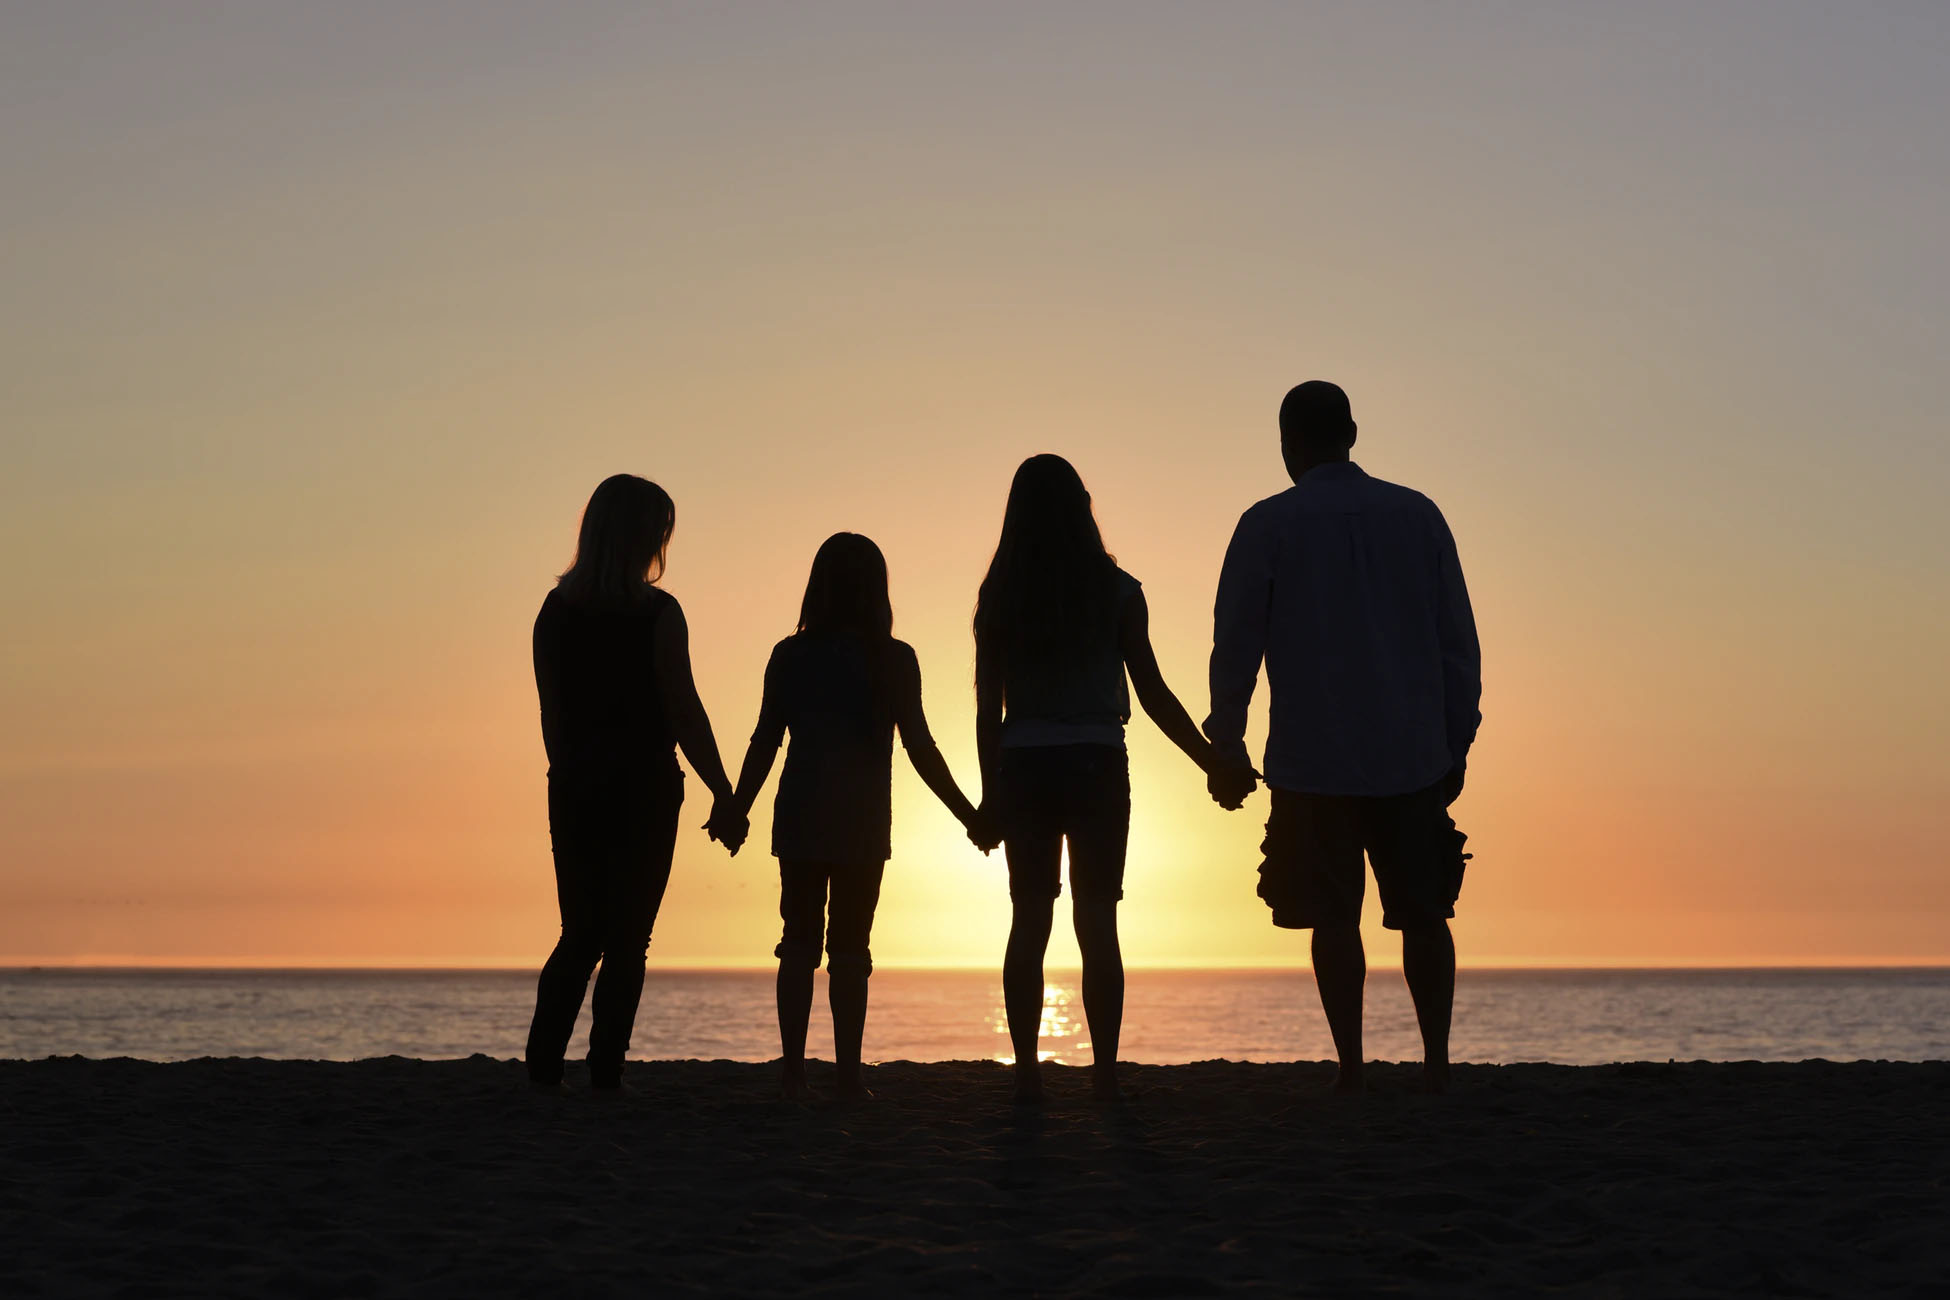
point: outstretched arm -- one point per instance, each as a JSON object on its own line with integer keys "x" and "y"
{"x": 682, "y": 707}
{"x": 920, "y": 746}
{"x": 759, "y": 757}
{"x": 1134, "y": 636}
{"x": 988, "y": 722}
{"x": 933, "y": 768}
{"x": 1239, "y": 632}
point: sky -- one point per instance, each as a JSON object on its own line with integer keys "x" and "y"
{"x": 319, "y": 323}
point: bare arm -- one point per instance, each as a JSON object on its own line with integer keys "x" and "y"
{"x": 546, "y": 678}
{"x": 934, "y": 770}
{"x": 766, "y": 739}
{"x": 920, "y": 746}
{"x": 759, "y": 756}
{"x": 988, "y": 721}
{"x": 1134, "y": 637}
{"x": 683, "y": 709}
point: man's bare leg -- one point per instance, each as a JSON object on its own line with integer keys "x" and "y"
{"x": 1429, "y": 966}
{"x": 1340, "y": 971}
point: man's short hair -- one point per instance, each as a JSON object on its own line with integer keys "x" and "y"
{"x": 1317, "y": 414}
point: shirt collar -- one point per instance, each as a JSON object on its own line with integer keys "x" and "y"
{"x": 1335, "y": 469}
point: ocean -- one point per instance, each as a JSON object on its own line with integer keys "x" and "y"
{"x": 1574, "y": 1017}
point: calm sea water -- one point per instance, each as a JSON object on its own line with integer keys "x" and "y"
{"x": 1572, "y": 1017}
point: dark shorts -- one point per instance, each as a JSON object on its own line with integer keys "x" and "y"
{"x": 1313, "y": 873}
{"x": 1053, "y": 793}
{"x": 849, "y": 926}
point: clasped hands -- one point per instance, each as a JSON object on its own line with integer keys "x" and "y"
{"x": 1229, "y": 784}
{"x": 729, "y": 826}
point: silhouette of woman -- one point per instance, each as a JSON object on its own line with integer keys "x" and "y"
{"x": 613, "y": 669}
{"x": 840, "y": 685}
{"x": 1057, "y": 624}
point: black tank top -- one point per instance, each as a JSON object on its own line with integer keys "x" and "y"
{"x": 595, "y": 670}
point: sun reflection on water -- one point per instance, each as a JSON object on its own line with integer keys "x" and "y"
{"x": 1061, "y": 1030}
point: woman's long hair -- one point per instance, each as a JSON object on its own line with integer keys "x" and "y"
{"x": 1051, "y": 585}
{"x": 620, "y": 550}
{"x": 846, "y": 595}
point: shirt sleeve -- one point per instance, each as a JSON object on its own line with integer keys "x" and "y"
{"x": 913, "y": 721}
{"x": 1239, "y": 631}
{"x": 1462, "y": 655}
{"x": 772, "y": 710}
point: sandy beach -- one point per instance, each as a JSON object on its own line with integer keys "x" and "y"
{"x": 398, "y": 1177}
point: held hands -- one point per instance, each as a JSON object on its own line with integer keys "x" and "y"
{"x": 1229, "y": 785}
{"x": 983, "y": 831}
{"x": 728, "y": 826}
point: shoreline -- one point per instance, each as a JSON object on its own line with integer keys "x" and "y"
{"x": 1918, "y": 965}
{"x": 400, "y": 1177}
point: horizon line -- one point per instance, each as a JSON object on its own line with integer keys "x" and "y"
{"x": 119, "y": 963}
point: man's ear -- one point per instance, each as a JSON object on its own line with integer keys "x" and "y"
{"x": 1353, "y": 432}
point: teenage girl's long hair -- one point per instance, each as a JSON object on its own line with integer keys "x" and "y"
{"x": 846, "y": 596}
{"x": 620, "y": 550}
{"x": 1050, "y": 588}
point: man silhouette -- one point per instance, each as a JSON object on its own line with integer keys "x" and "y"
{"x": 1350, "y": 591}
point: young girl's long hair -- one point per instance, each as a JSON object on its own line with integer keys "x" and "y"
{"x": 847, "y": 592}
{"x": 846, "y": 596}
{"x": 1051, "y": 585}
{"x": 620, "y": 549}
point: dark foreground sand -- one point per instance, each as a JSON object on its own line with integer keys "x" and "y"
{"x": 400, "y": 1177}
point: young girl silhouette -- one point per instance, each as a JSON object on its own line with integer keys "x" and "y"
{"x": 841, "y": 684}
{"x": 1057, "y": 625}
{"x": 613, "y": 669}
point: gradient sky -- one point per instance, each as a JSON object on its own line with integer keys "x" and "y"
{"x": 319, "y": 322}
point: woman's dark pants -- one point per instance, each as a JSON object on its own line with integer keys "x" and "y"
{"x": 613, "y": 837}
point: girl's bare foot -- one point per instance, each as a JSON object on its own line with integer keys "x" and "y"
{"x": 1348, "y": 1082}
{"x": 851, "y": 1091}
{"x": 792, "y": 1084}
{"x": 1104, "y": 1085}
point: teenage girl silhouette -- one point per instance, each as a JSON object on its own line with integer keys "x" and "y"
{"x": 1057, "y": 626}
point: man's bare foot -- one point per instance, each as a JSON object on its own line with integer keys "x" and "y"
{"x": 541, "y": 1089}
{"x": 1348, "y": 1082}
{"x": 1029, "y": 1085}
{"x": 1435, "y": 1077}
{"x": 793, "y": 1085}
{"x": 1104, "y": 1085}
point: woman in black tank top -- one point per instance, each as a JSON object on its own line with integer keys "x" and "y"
{"x": 613, "y": 671}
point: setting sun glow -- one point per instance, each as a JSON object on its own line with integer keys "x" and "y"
{"x": 305, "y": 391}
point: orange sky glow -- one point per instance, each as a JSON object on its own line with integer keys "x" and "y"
{"x": 320, "y": 329}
